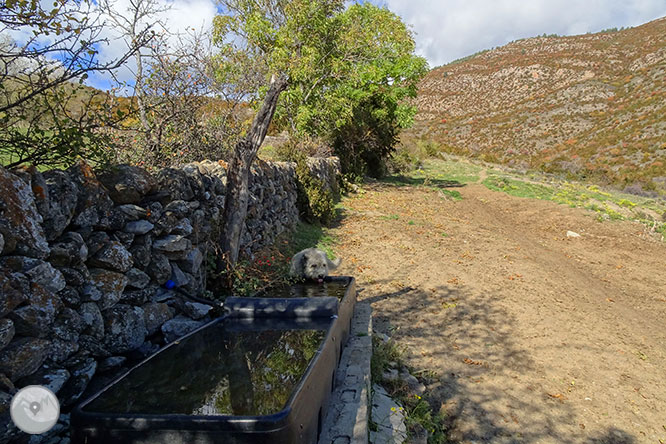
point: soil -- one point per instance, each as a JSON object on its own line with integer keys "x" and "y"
{"x": 525, "y": 335}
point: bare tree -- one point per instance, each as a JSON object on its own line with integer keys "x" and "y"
{"x": 42, "y": 55}
{"x": 186, "y": 111}
{"x": 238, "y": 172}
{"x": 51, "y": 47}
{"x": 129, "y": 24}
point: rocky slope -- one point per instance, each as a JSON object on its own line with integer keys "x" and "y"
{"x": 592, "y": 106}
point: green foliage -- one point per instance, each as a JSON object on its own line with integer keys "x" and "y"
{"x": 626, "y": 203}
{"x": 365, "y": 143}
{"x": 272, "y": 37}
{"x": 403, "y": 161}
{"x": 383, "y": 353}
{"x": 349, "y": 71}
{"x": 244, "y": 283}
{"x": 316, "y": 202}
{"x": 411, "y": 155}
{"x": 305, "y": 146}
{"x": 380, "y": 75}
{"x": 271, "y": 265}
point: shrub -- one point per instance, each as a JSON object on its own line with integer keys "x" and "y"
{"x": 315, "y": 201}
{"x": 411, "y": 155}
{"x": 307, "y": 146}
{"x": 402, "y": 161}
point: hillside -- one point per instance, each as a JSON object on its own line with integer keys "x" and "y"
{"x": 592, "y": 106}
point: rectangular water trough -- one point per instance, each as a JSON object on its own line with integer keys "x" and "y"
{"x": 238, "y": 379}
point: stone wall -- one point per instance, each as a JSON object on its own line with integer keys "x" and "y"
{"x": 87, "y": 261}
{"x": 327, "y": 170}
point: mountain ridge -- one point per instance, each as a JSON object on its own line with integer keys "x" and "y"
{"x": 590, "y": 106}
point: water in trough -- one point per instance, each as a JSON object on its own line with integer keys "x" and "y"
{"x": 227, "y": 368}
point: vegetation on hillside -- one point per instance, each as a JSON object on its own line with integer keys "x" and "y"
{"x": 46, "y": 115}
{"x": 586, "y": 107}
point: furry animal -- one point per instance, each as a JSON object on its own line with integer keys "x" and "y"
{"x": 312, "y": 263}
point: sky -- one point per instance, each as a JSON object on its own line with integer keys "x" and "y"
{"x": 445, "y": 30}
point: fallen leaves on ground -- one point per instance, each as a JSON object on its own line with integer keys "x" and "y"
{"x": 558, "y": 396}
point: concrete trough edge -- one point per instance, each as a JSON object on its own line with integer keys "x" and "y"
{"x": 237, "y": 307}
{"x": 347, "y": 419}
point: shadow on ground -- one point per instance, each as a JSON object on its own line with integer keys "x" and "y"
{"x": 482, "y": 385}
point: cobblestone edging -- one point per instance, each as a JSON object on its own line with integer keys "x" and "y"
{"x": 347, "y": 419}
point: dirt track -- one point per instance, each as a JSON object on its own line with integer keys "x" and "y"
{"x": 534, "y": 337}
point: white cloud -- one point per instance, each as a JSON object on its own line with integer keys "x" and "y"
{"x": 448, "y": 30}
{"x": 445, "y": 29}
{"x": 178, "y": 17}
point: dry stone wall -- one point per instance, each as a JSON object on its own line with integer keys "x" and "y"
{"x": 87, "y": 259}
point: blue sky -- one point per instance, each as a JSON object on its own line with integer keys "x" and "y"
{"x": 446, "y": 30}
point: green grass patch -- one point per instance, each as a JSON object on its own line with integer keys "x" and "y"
{"x": 626, "y": 203}
{"x": 310, "y": 235}
{"x": 383, "y": 353}
{"x": 268, "y": 153}
{"x": 453, "y": 194}
{"x": 437, "y": 173}
{"x": 450, "y": 170}
{"x": 519, "y": 188}
{"x": 390, "y": 217}
{"x": 412, "y": 180}
{"x": 417, "y": 410}
{"x": 606, "y": 205}
{"x": 661, "y": 229}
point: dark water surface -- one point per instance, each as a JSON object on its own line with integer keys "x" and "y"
{"x": 228, "y": 368}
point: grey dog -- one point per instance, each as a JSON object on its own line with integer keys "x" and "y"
{"x": 312, "y": 263}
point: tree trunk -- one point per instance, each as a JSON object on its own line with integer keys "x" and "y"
{"x": 238, "y": 173}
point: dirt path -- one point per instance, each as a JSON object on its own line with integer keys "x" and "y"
{"x": 534, "y": 337}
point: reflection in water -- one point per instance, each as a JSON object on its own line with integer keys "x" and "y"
{"x": 335, "y": 288}
{"x": 224, "y": 369}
